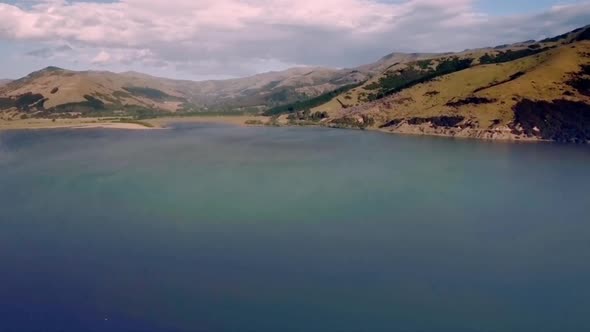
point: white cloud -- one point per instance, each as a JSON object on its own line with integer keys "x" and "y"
{"x": 101, "y": 58}
{"x": 234, "y": 37}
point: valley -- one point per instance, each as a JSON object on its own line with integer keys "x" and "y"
{"x": 534, "y": 90}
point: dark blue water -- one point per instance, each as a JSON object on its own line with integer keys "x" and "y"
{"x": 212, "y": 228}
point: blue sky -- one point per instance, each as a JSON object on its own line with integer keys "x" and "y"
{"x": 507, "y": 7}
{"x": 231, "y": 38}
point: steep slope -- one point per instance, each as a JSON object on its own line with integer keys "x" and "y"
{"x": 396, "y": 76}
{"x": 524, "y": 91}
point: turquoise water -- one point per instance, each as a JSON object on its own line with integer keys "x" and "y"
{"x": 214, "y": 228}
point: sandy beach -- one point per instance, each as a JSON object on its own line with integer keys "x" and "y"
{"x": 81, "y": 123}
{"x": 157, "y": 123}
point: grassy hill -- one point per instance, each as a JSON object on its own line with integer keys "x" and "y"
{"x": 58, "y": 92}
{"x": 55, "y": 90}
{"x": 535, "y": 89}
{"x": 527, "y": 90}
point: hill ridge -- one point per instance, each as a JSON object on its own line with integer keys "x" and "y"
{"x": 478, "y": 92}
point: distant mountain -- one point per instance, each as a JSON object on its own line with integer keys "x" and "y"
{"x": 59, "y": 92}
{"x": 527, "y": 90}
{"x": 56, "y": 91}
{"x": 4, "y": 81}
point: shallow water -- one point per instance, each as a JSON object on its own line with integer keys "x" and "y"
{"x": 215, "y": 228}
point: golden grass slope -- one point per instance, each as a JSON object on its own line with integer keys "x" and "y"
{"x": 542, "y": 77}
{"x": 358, "y": 97}
{"x": 61, "y": 87}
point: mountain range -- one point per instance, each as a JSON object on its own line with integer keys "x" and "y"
{"x": 527, "y": 90}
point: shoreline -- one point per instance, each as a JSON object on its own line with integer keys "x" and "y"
{"x": 475, "y": 138}
{"x": 471, "y": 134}
{"x": 146, "y": 124}
{"x": 241, "y": 121}
{"x": 89, "y": 123}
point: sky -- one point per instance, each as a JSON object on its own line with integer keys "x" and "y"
{"x": 217, "y": 39}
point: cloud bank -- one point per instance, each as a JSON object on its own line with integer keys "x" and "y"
{"x": 242, "y": 37}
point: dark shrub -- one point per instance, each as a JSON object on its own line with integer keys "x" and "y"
{"x": 424, "y": 64}
{"x": 391, "y": 123}
{"x": 150, "y": 93}
{"x": 351, "y": 122}
{"x": 560, "y": 120}
{"x": 397, "y": 81}
{"x": 511, "y": 78}
{"x": 580, "y": 83}
{"x": 310, "y": 103}
{"x": 556, "y": 38}
{"x": 470, "y": 101}
{"x": 438, "y": 121}
{"x": 584, "y": 35}
{"x": 91, "y": 105}
{"x": 510, "y": 55}
{"x": 29, "y": 100}
{"x": 6, "y": 103}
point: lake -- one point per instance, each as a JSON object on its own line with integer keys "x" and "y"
{"x": 218, "y": 228}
